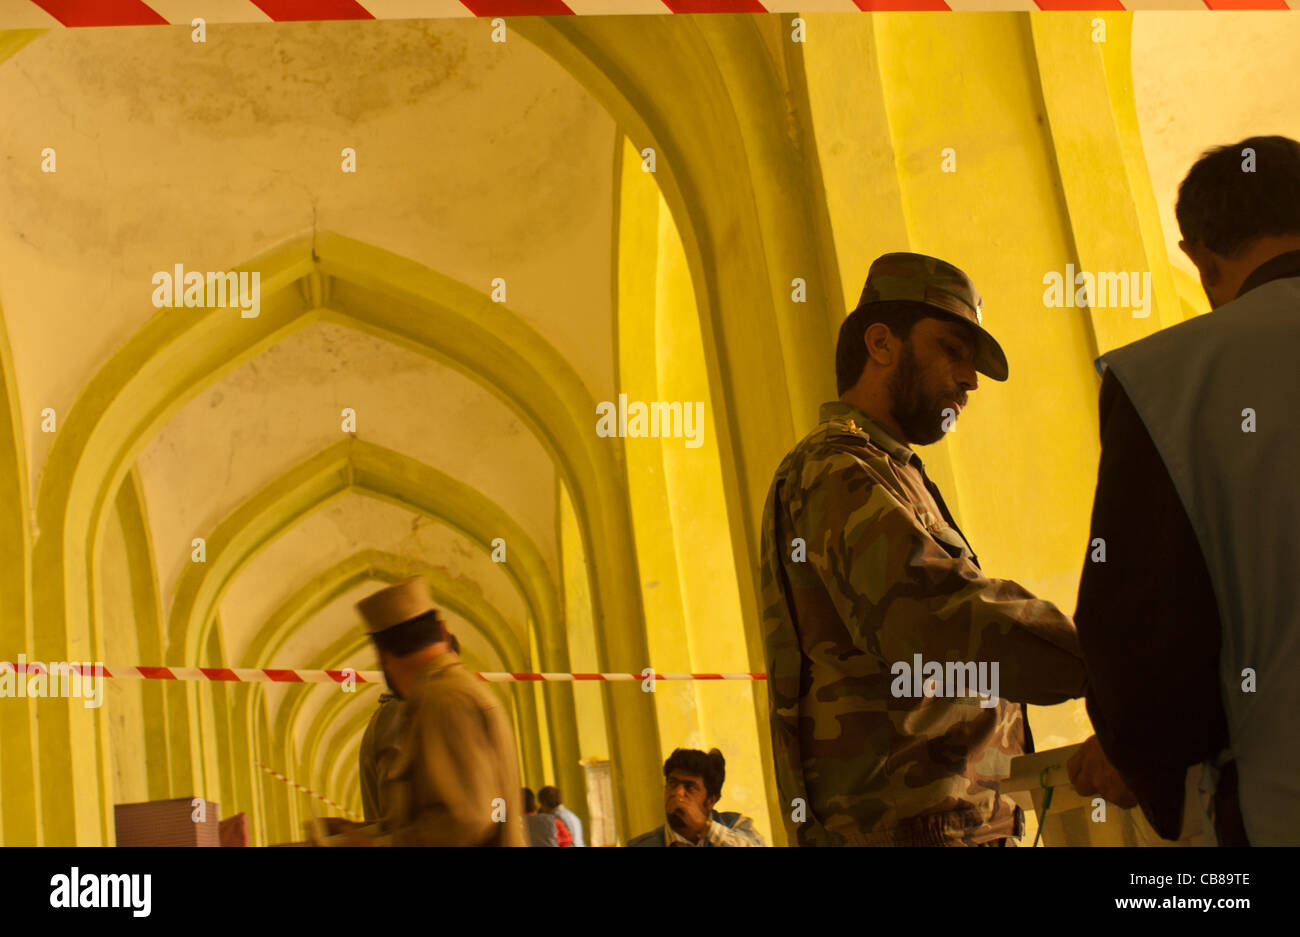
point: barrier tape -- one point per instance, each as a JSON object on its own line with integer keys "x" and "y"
{"x": 53, "y": 13}
{"x": 307, "y": 790}
{"x": 245, "y": 675}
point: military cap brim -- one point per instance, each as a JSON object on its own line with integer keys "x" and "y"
{"x": 945, "y": 289}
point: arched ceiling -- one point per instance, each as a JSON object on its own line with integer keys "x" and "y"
{"x": 325, "y": 537}
{"x": 285, "y": 405}
{"x": 475, "y": 159}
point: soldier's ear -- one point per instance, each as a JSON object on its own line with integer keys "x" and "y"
{"x": 879, "y": 341}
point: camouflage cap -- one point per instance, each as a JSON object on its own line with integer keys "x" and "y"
{"x": 940, "y": 285}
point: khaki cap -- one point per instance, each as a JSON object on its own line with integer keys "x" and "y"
{"x": 396, "y": 604}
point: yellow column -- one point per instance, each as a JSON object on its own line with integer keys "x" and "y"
{"x": 1084, "y": 64}
{"x": 543, "y": 710}
{"x": 20, "y": 808}
{"x": 589, "y": 698}
{"x": 700, "y": 543}
{"x": 639, "y": 231}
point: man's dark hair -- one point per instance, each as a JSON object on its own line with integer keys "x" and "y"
{"x": 710, "y": 768}
{"x": 851, "y": 351}
{"x": 1225, "y": 208}
{"x": 549, "y": 797}
{"x": 412, "y": 635}
{"x": 454, "y": 642}
{"x": 530, "y": 802}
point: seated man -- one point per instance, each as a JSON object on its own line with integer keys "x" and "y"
{"x": 693, "y": 784}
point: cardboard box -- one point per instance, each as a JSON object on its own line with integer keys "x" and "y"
{"x": 168, "y": 823}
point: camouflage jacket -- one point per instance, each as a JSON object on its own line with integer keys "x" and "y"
{"x": 880, "y": 578}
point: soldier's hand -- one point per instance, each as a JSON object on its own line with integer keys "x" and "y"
{"x": 1092, "y": 773}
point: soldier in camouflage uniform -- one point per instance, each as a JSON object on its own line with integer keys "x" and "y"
{"x": 863, "y": 567}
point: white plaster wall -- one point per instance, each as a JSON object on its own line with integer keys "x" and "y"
{"x": 334, "y": 532}
{"x": 285, "y": 406}
{"x": 1204, "y": 81}
{"x": 478, "y": 159}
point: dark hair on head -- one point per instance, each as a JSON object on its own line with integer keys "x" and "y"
{"x": 1224, "y": 208}
{"x": 710, "y": 768}
{"x": 851, "y": 351}
{"x": 412, "y": 635}
{"x": 454, "y": 642}
{"x": 549, "y": 797}
{"x": 530, "y": 802}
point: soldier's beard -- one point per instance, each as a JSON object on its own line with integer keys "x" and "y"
{"x": 917, "y": 413}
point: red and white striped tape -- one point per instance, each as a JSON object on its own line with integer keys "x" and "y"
{"x": 37, "y": 14}
{"x": 307, "y": 790}
{"x": 245, "y": 675}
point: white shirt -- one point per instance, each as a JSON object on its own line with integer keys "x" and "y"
{"x": 719, "y": 834}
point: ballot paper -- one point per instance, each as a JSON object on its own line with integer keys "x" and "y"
{"x": 1075, "y": 820}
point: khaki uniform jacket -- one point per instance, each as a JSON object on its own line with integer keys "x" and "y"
{"x": 378, "y": 749}
{"x": 454, "y": 779}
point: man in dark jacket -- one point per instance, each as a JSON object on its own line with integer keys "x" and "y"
{"x": 1189, "y": 625}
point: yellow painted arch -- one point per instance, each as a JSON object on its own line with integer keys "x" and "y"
{"x": 328, "y": 764}
{"x": 454, "y": 594}
{"x": 738, "y": 183}
{"x": 172, "y": 357}
{"x": 19, "y": 790}
{"x": 349, "y": 465}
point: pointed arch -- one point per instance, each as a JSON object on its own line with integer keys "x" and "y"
{"x": 353, "y": 465}
{"x": 745, "y": 193}
{"x": 172, "y": 357}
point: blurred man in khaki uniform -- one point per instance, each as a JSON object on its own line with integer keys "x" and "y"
{"x": 379, "y": 747}
{"x": 378, "y": 750}
{"x": 450, "y": 777}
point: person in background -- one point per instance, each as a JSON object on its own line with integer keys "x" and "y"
{"x": 1190, "y": 628}
{"x": 692, "y": 785}
{"x": 457, "y": 761}
{"x": 379, "y": 747}
{"x": 542, "y": 829}
{"x": 549, "y": 798}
